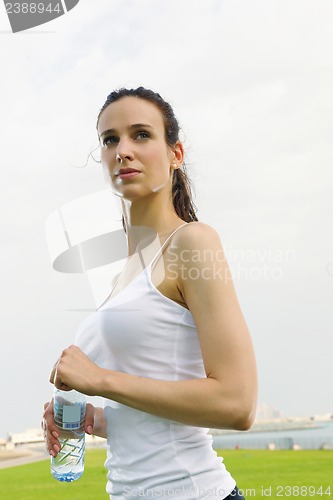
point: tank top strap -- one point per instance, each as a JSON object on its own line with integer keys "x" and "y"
{"x": 160, "y": 250}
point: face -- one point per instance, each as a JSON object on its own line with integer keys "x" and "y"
{"x": 134, "y": 152}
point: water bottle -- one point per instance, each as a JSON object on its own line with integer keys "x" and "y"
{"x": 69, "y": 415}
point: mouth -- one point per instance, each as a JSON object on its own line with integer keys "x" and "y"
{"x": 125, "y": 173}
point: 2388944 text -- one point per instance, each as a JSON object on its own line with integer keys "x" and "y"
{"x": 296, "y": 491}
{"x": 32, "y": 8}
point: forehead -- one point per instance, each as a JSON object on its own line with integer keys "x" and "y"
{"x": 129, "y": 110}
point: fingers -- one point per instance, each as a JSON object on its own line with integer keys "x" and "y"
{"x": 89, "y": 420}
{"x": 56, "y": 380}
{"x": 60, "y": 369}
{"x": 50, "y": 430}
{"x": 53, "y": 373}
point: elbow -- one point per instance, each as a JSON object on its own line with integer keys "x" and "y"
{"x": 245, "y": 407}
{"x": 243, "y": 423}
{"x": 240, "y": 415}
{"x": 235, "y": 418}
{"x": 244, "y": 416}
{"x": 236, "y": 408}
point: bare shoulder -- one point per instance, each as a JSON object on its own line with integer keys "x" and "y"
{"x": 197, "y": 235}
{"x": 196, "y": 253}
{"x": 196, "y": 230}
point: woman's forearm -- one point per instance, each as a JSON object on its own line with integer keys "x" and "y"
{"x": 199, "y": 402}
{"x": 225, "y": 399}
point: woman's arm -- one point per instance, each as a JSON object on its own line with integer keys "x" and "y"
{"x": 226, "y": 398}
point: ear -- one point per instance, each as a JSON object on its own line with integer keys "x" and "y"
{"x": 178, "y": 155}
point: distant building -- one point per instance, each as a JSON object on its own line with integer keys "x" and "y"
{"x": 267, "y": 413}
{"x": 31, "y": 436}
{"x": 35, "y": 437}
{"x": 325, "y": 417}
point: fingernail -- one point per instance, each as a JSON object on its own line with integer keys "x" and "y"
{"x": 52, "y": 453}
{"x": 55, "y": 434}
{"x": 89, "y": 429}
{"x": 56, "y": 447}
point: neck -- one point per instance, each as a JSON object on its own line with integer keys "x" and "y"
{"x": 147, "y": 217}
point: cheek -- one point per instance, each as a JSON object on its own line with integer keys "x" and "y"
{"x": 107, "y": 164}
{"x": 158, "y": 158}
{"x": 107, "y": 157}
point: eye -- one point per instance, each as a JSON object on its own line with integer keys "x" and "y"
{"x": 110, "y": 140}
{"x": 142, "y": 135}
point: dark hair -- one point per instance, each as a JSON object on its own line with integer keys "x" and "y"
{"x": 181, "y": 188}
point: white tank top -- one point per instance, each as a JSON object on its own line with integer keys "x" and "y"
{"x": 142, "y": 332}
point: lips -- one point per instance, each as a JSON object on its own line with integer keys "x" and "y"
{"x": 124, "y": 171}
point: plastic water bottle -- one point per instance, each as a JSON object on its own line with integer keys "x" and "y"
{"x": 69, "y": 415}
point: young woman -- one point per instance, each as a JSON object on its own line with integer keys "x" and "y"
{"x": 169, "y": 349}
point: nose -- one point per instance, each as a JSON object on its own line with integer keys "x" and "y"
{"x": 124, "y": 152}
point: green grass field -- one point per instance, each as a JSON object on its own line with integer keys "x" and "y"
{"x": 259, "y": 473}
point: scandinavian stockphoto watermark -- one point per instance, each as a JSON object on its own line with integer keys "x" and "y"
{"x": 24, "y": 15}
{"x": 255, "y": 263}
{"x": 86, "y": 236}
{"x": 249, "y": 264}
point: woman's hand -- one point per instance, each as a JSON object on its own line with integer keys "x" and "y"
{"x": 52, "y": 432}
{"x": 74, "y": 370}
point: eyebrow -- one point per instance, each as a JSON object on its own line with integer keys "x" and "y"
{"x": 134, "y": 126}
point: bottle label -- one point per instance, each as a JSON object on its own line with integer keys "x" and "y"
{"x": 71, "y": 417}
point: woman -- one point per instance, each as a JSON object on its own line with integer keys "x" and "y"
{"x": 169, "y": 349}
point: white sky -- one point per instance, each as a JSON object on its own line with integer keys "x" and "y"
{"x": 251, "y": 83}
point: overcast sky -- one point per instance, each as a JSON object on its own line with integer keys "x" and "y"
{"x": 251, "y": 83}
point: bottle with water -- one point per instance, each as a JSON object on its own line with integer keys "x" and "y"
{"x": 69, "y": 415}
